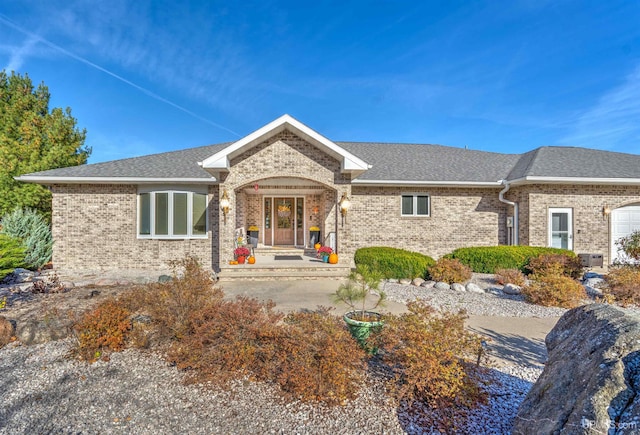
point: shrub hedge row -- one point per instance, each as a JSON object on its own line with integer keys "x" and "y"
{"x": 393, "y": 262}
{"x": 486, "y": 259}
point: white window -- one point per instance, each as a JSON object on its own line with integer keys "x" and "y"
{"x": 171, "y": 214}
{"x": 416, "y": 205}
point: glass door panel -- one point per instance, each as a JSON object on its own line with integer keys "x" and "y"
{"x": 560, "y": 228}
{"x": 268, "y": 216}
{"x": 300, "y": 221}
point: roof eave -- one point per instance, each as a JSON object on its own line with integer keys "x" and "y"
{"x": 426, "y": 183}
{"x": 112, "y": 180}
{"x": 574, "y": 180}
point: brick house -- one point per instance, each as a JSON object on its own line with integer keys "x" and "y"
{"x": 285, "y": 178}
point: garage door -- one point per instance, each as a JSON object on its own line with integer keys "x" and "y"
{"x": 624, "y": 221}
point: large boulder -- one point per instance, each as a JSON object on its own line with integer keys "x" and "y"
{"x": 591, "y": 381}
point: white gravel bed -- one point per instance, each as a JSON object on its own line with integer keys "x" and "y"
{"x": 43, "y": 391}
{"x": 491, "y": 303}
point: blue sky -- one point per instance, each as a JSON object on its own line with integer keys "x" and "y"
{"x": 505, "y": 76}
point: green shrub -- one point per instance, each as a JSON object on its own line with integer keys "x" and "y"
{"x": 34, "y": 233}
{"x": 555, "y": 264}
{"x": 449, "y": 270}
{"x": 486, "y": 259}
{"x": 623, "y": 283}
{"x": 554, "y": 290}
{"x": 394, "y": 262}
{"x": 11, "y": 255}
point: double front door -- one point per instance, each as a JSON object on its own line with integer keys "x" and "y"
{"x": 284, "y": 221}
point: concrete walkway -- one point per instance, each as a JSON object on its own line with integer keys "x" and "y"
{"x": 510, "y": 340}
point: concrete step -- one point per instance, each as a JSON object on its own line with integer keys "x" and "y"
{"x": 239, "y": 273}
{"x": 269, "y": 251}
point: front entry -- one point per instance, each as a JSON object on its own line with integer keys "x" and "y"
{"x": 287, "y": 216}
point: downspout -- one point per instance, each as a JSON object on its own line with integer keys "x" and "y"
{"x": 506, "y": 185}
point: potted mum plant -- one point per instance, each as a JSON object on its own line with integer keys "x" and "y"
{"x": 324, "y": 253}
{"x": 241, "y": 253}
{"x": 363, "y": 295}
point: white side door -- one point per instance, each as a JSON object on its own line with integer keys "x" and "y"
{"x": 561, "y": 228}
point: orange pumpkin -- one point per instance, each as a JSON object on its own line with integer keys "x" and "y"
{"x": 251, "y": 260}
{"x": 333, "y": 258}
{"x": 233, "y": 262}
{"x": 317, "y": 246}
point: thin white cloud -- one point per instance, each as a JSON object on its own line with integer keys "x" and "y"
{"x": 39, "y": 39}
{"x": 188, "y": 53}
{"x": 614, "y": 121}
{"x": 18, "y": 55}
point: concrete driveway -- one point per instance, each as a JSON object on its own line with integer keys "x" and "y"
{"x": 510, "y": 340}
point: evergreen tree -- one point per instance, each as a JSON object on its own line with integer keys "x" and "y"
{"x": 33, "y": 138}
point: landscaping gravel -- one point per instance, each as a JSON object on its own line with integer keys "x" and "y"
{"x": 491, "y": 303}
{"x": 44, "y": 391}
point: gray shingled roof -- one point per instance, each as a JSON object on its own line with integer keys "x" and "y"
{"x": 576, "y": 162}
{"x": 395, "y": 162}
{"x": 174, "y": 164}
{"x": 412, "y": 162}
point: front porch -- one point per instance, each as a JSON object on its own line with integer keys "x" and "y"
{"x": 284, "y": 263}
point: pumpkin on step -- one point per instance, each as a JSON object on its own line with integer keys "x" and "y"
{"x": 333, "y": 258}
{"x": 317, "y": 246}
{"x": 251, "y": 260}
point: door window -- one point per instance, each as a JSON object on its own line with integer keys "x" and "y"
{"x": 560, "y": 228}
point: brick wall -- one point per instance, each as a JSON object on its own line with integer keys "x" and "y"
{"x": 591, "y": 230}
{"x": 94, "y": 228}
{"x": 459, "y": 218}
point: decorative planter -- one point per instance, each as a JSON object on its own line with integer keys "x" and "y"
{"x": 325, "y": 258}
{"x": 252, "y": 235}
{"x": 241, "y": 260}
{"x": 314, "y": 237}
{"x": 333, "y": 258}
{"x": 361, "y": 330}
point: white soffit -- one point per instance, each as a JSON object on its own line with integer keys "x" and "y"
{"x": 574, "y": 180}
{"x": 220, "y": 160}
{"x": 111, "y": 180}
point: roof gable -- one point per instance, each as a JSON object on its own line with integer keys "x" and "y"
{"x": 220, "y": 161}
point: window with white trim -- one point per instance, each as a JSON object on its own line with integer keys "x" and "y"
{"x": 416, "y": 205}
{"x": 172, "y": 214}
